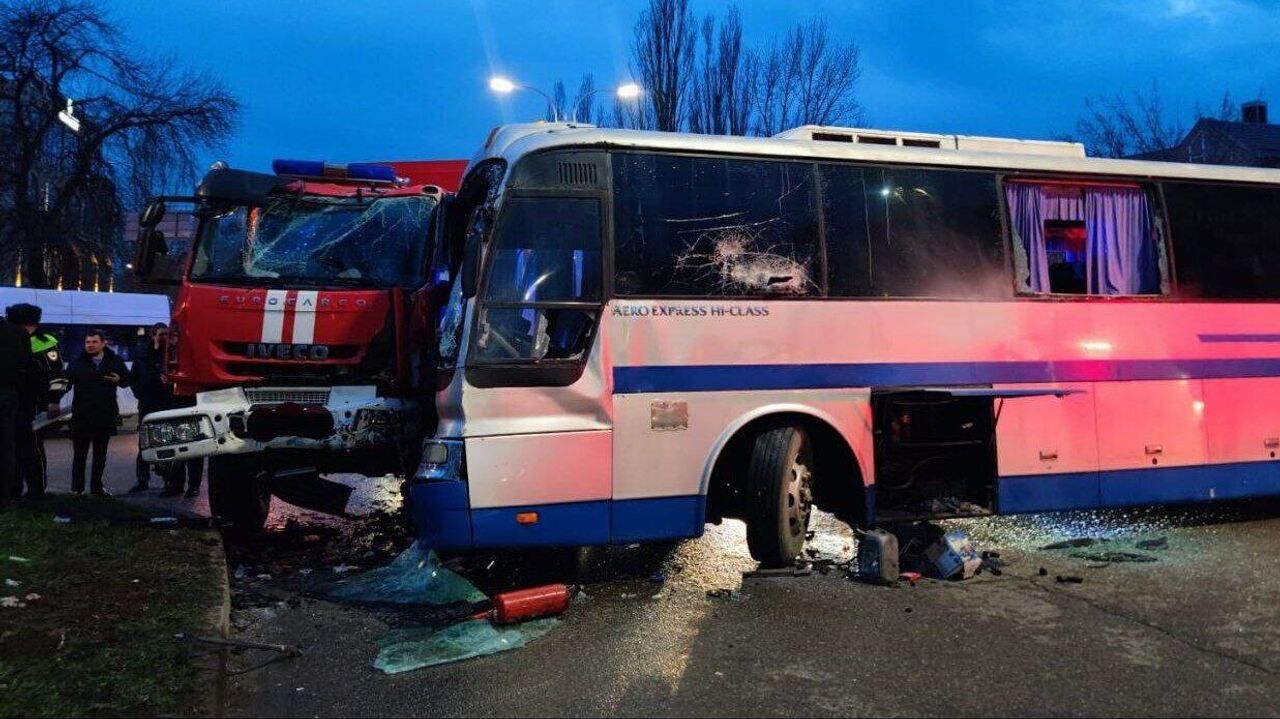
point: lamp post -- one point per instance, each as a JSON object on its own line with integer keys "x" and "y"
{"x": 506, "y": 86}
{"x": 626, "y": 91}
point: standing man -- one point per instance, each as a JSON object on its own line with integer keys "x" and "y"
{"x": 94, "y": 376}
{"x": 15, "y": 358}
{"x": 42, "y": 392}
{"x": 150, "y": 389}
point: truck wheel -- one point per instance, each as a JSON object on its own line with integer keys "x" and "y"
{"x": 238, "y": 493}
{"x": 780, "y": 495}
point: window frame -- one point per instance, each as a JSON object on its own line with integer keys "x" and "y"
{"x": 1172, "y": 229}
{"x": 820, "y": 253}
{"x": 1156, "y": 211}
{"x": 521, "y": 372}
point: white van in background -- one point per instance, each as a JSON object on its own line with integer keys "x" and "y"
{"x": 71, "y": 314}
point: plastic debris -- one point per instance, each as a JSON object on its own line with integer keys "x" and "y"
{"x": 22, "y": 560}
{"x": 12, "y": 583}
{"x": 1149, "y": 544}
{"x": 33, "y": 597}
{"x": 11, "y": 603}
{"x": 414, "y": 578}
{"x": 165, "y": 521}
{"x": 344, "y": 568}
{"x": 953, "y": 556}
{"x": 61, "y": 520}
{"x": 409, "y": 649}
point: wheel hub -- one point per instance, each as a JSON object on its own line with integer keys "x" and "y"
{"x": 799, "y": 498}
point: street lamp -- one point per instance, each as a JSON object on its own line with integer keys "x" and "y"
{"x": 626, "y": 91}
{"x": 505, "y": 86}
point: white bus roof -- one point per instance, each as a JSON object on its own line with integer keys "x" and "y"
{"x": 73, "y": 307}
{"x": 513, "y": 141}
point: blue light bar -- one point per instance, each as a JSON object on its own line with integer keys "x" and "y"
{"x": 316, "y": 168}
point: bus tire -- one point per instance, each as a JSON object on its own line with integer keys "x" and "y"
{"x": 238, "y": 494}
{"x": 780, "y": 495}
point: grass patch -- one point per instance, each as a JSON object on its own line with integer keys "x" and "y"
{"x": 113, "y": 593}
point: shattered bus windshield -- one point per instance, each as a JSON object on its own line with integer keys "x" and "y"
{"x": 372, "y": 242}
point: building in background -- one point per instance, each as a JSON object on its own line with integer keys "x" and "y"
{"x": 81, "y": 247}
{"x": 1251, "y": 141}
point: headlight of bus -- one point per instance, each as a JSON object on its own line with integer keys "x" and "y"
{"x": 166, "y": 432}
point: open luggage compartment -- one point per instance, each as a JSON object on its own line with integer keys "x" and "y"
{"x": 935, "y": 454}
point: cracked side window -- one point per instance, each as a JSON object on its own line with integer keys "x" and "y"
{"x": 715, "y": 227}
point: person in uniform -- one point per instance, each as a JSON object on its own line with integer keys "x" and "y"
{"x": 42, "y": 392}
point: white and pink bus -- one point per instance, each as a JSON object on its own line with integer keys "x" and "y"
{"x": 653, "y": 331}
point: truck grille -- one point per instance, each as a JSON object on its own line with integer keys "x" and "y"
{"x": 275, "y": 395}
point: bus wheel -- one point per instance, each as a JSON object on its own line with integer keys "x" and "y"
{"x": 238, "y": 493}
{"x": 779, "y": 487}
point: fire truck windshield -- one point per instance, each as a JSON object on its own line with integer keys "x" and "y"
{"x": 316, "y": 241}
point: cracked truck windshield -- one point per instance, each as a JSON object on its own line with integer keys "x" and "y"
{"x": 360, "y": 242}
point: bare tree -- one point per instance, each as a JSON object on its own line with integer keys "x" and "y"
{"x": 555, "y": 108}
{"x": 662, "y": 59}
{"x": 1120, "y": 126}
{"x": 805, "y": 78}
{"x": 720, "y": 94}
{"x": 143, "y": 122}
{"x": 584, "y": 101}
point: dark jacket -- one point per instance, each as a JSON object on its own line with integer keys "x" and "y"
{"x": 15, "y": 356}
{"x": 49, "y": 380}
{"x": 148, "y": 367}
{"x": 94, "y": 405}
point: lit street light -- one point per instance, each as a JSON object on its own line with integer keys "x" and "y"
{"x": 506, "y": 86}
{"x": 626, "y": 91}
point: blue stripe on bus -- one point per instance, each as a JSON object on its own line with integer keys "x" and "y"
{"x": 710, "y": 378}
{"x": 1129, "y": 487}
{"x": 1239, "y": 338}
{"x": 573, "y": 524}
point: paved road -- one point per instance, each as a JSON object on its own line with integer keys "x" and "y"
{"x": 1197, "y": 632}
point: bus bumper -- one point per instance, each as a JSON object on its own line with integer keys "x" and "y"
{"x": 240, "y": 421}
{"x": 440, "y": 504}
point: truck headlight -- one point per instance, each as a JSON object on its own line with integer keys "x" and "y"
{"x": 165, "y": 432}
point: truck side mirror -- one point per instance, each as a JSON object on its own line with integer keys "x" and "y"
{"x": 151, "y": 244}
{"x": 152, "y": 215}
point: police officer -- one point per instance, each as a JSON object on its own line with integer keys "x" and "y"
{"x": 45, "y": 385}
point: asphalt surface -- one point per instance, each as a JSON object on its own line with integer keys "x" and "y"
{"x": 1195, "y": 633}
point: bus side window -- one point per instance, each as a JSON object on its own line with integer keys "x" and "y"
{"x": 715, "y": 227}
{"x": 907, "y": 232}
{"x": 1225, "y": 239}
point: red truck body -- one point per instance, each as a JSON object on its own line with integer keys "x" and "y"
{"x": 322, "y": 374}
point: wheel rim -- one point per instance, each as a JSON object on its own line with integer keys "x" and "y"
{"x": 799, "y": 491}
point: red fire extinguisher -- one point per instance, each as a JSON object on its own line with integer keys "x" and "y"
{"x": 524, "y": 604}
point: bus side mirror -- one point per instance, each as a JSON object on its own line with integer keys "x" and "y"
{"x": 470, "y": 268}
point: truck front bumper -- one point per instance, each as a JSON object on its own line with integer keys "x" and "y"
{"x": 244, "y": 421}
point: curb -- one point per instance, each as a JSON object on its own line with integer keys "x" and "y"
{"x": 218, "y": 623}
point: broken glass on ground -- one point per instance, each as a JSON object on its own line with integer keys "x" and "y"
{"x": 408, "y": 649}
{"x": 1113, "y": 557}
{"x": 417, "y": 579}
{"x": 414, "y": 578}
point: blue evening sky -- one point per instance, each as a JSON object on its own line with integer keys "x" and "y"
{"x": 377, "y": 79}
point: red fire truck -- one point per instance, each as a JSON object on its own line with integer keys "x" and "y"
{"x": 300, "y": 330}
